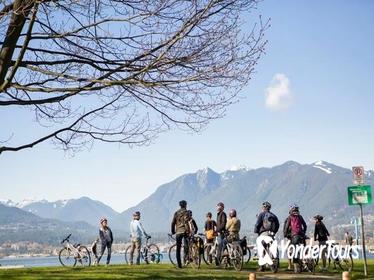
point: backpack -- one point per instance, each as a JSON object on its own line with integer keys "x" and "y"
{"x": 268, "y": 222}
{"x": 182, "y": 220}
{"x": 296, "y": 225}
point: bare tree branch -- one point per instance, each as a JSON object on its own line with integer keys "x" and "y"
{"x": 123, "y": 71}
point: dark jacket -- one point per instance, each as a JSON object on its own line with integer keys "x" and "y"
{"x": 320, "y": 232}
{"x": 221, "y": 222}
{"x": 287, "y": 228}
{"x": 179, "y": 224}
{"x": 259, "y": 228}
{"x": 210, "y": 225}
{"x": 106, "y": 238}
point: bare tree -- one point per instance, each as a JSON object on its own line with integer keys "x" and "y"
{"x": 123, "y": 71}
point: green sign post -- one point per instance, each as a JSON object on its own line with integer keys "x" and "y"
{"x": 360, "y": 195}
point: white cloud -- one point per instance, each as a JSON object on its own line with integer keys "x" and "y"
{"x": 278, "y": 95}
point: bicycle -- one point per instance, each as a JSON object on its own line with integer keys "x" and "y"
{"x": 149, "y": 253}
{"x": 345, "y": 264}
{"x": 210, "y": 252}
{"x": 194, "y": 252}
{"x": 274, "y": 258}
{"x": 232, "y": 254}
{"x": 71, "y": 254}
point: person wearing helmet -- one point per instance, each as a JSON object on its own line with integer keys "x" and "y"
{"x": 233, "y": 226}
{"x": 267, "y": 224}
{"x": 321, "y": 235}
{"x": 106, "y": 238}
{"x": 287, "y": 235}
{"x": 296, "y": 226}
{"x": 221, "y": 228}
{"x": 136, "y": 233}
{"x": 180, "y": 227}
{"x": 192, "y": 226}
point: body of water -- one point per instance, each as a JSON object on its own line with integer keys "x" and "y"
{"x": 54, "y": 261}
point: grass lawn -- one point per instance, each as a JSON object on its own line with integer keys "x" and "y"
{"x": 166, "y": 271}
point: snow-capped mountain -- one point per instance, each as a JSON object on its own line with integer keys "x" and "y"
{"x": 82, "y": 209}
{"x": 319, "y": 187}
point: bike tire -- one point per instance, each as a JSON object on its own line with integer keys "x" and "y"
{"x": 248, "y": 256}
{"x": 207, "y": 256}
{"x": 346, "y": 264}
{"x": 237, "y": 260}
{"x": 172, "y": 255}
{"x": 66, "y": 258}
{"x": 127, "y": 254}
{"x": 153, "y": 254}
{"x": 195, "y": 256}
{"x": 84, "y": 256}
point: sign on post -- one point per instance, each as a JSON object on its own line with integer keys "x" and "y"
{"x": 358, "y": 175}
{"x": 359, "y": 195}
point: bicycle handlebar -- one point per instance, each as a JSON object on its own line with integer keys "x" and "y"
{"x": 66, "y": 239}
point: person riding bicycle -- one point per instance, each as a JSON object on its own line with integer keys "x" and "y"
{"x": 295, "y": 224}
{"x": 221, "y": 228}
{"x": 233, "y": 227}
{"x": 267, "y": 224}
{"x": 210, "y": 228}
{"x": 321, "y": 235}
{"x": 136, "y": 232}
{"x": 180, "y": 227}
{"x": 106, "y": 238}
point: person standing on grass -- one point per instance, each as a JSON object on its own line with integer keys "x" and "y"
{"x": 221, "y": 228}
{"x": 210, "y": 228}
{"x": 137, "y": 231}
{"x": 321, "y": 235}
{"x": 180, "y": 227}
{"x": 106, "y": 238}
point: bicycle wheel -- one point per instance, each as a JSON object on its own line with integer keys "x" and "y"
{"x": 173, "y": 254}
{"x": 84, "y": 257}
{"x": 127, "y": 254}
{"x": 310, "y": 265}
{"x": 208, "y": 255}
{"x": 346, "y": 264}
{"x": 248, "y": 256}
{"x": 153, "y": 254}
{"x": 195, "y": 256}
{"x": 236, "y": 258}
{"x": 66, "y": 257}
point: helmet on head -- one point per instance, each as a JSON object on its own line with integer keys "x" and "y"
{"x": 232, "y": 213}
{"x": 102, "y": 220}
{"x": 136, "y": 214}
{"x": 220, "y": 204}
{"x": 318, "y": 217}
{"x": 266, "y": 205}
{"x": 294, "y": 208}
{"x": 183, "y": 203}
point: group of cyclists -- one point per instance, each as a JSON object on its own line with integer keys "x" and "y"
{"x": 223, "y": 229}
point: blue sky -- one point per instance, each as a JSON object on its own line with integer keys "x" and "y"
{"x": 319, "y": 59}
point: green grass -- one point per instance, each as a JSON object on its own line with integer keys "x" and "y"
{"x": 165, "y": 271}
